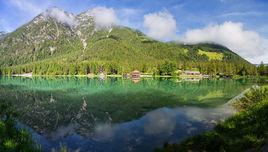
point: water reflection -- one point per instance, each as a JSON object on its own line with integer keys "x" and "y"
{"x": 136, "y": 80}
{"x": 52, "y": 100}
{"x": 152, "y": 130}
{"x": 115, "y": 114}
{"x": 104, "y": 131}
{"x": 63, "y": 131}
{"x": 160, "y": 121}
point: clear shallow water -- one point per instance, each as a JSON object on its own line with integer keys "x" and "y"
{"x": 117, "y": 114}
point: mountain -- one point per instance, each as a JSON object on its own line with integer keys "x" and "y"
{"x": 3, "y": 34}
{"x": 58, "y": 42}
{"x": 257, "y": 65}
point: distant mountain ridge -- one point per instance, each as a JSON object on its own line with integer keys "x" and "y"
{"x": 56, "y": 37}
{"x": 3, "y": 34}
{"x": 265, "y": 64}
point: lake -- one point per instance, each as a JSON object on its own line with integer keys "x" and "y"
{"x": 117, "y": 114}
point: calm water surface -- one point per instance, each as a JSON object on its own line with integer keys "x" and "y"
{"x": 117, "y": 114}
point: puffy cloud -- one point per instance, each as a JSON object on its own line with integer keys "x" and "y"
{"x": 264, "y": 56}
{"x": 104, "y": 17}
{"x": 160, "y": 25}
{"x": 248, "y": 44}
{"x": 61, "y": 16}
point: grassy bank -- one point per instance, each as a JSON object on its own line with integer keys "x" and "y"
{"x": 245, "y": 131}
{"x": 13, "y": 139}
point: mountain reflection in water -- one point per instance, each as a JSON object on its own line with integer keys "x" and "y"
{"x": 144, "y": 134}
{"x": 117, "y": 114}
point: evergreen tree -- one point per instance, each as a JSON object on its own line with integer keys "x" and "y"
{"x": 261, "y": 69}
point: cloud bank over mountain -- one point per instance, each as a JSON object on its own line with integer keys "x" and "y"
{"x": 61, "y": 16}
{"x": 248, "y": 44}
{"x": 160, "y": 25}
{"x": 104, "y": 17}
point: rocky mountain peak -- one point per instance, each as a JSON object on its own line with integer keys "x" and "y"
{"x": 60, "y": 16}
{"x": 3, "y": 34}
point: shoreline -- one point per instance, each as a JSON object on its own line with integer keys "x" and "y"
{"x": 30, "y": 75}
{"x": 229, "y": 135}
{"x": 26, "y": 75}
{"x": 98, "y": 76}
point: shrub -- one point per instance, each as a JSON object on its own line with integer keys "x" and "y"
{"x": 11, "y": 138}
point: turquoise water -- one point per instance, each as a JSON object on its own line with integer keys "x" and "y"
{"x": 117, "y": 114}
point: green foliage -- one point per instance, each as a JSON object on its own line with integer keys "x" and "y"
{"x": 246, "y": 131}
{"x": 50, "y": 48}
{"x": 252, "y": 97}
{"x": 11, "y": 138}
{"x": 263, "y": 69}
{"x": 211, "y": 55}
{"x": 168, "y": 68}
{"x": 121, "y": 98}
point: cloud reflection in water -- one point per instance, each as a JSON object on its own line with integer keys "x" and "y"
{"x": 160, "y": 121}
{"x": 144, "y": 134}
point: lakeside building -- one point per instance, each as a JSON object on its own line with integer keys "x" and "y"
{"x": 135, "y": 74}
{"x": 190, "y": 74}
{"x": 27, "y": 75}
{"x": 102, "y": 75}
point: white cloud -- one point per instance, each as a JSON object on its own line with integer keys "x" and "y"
{"x": 264, "y": 56}
{"x": 160, "y": 25}
{"x": 61, "y": 16}
{"x": 251, "y": 13}
{"x": 104, "y": 17}
{"x": 248, "y": 44}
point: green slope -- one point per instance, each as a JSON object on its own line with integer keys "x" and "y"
{"x": 46, "y": 46}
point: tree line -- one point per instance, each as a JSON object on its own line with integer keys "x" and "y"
{"x": 155, "y": 68}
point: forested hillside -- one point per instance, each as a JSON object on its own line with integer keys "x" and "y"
{"x": 49, "y": 46}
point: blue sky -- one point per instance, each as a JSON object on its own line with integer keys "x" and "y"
{"x": 185, "y": 20}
